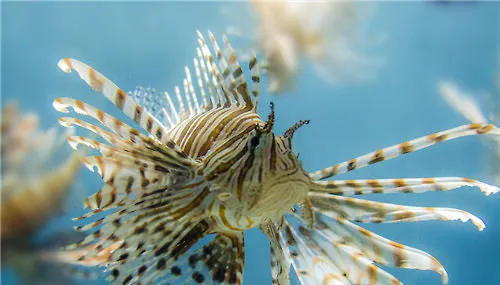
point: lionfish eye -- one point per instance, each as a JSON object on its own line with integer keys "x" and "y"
{"x": 254, "y": 141}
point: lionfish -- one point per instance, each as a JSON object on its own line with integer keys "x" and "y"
{"x": 324, "y": 33}
{"x": 211, "y": 167}
{"x": 32, "y": 193}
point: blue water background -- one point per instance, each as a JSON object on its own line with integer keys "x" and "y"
{"x": 150, "y": 43}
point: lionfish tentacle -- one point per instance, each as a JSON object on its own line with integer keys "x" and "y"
{"x": 365, "y": 211}
{"x": 399, "y": 185}
{"x": 331, "y": 261}
{"x": 280, "y": 256}
{"x": 380, "y": 250}
{"x": 117, "y": 96}
{"x": 404, "y": 148}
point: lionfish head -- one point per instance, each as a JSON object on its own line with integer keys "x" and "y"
{"x": 262, "y": 140}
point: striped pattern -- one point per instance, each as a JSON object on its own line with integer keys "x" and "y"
{"x": 399, "y": 185}
{"x": 210, "y": 165}
{"x": 280, "y": 255}
{"x": 404, "y": 148}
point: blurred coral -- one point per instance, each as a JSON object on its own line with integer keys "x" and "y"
{"x": 32, "y": 188}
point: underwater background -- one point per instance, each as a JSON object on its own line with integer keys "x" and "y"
{"x": 149, "y": 44}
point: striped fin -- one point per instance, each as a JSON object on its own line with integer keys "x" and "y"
{"x": 404, "y": 148}
{"x": 320, "y": 261}
{"x": 220, "y": 261}
{"x": 365, "y": 211}
{"x": 155, "y": 260}
{"x": 188, "y": 98}
{"x": 114, "y": 124}
{"x": 399, "y": 185}
{"x": 76, "y": 257}
{"x": 237, "y": 81}
{"x": 108, "y": 136}
{"x": 280, "y": 256}
{"x": 174, "y": 113}
{"x": 188, "y": 82}
{"x": 169, "y": 151}
{"x": 183, "y": 113}
{"x": 380, "y": 250}
{"x": 106, "y": 198}
{"x": 217, "y": 79}
{"x": 255, "y": 71}
{"x": 143, "y": 159}
{"x": 241, "y": 83}
{"x": 146, "y": 213}
{"x": 151, "y": 101}
{"x": 300, "y": 255}
{"x": 227, "y": 75}
{"x": 203, "y": 71}
{"x": 117, "y": 96}
{"x": 122, "y": 174}
{"x": 147, "y": 223}
{"x": 199, "y": 80}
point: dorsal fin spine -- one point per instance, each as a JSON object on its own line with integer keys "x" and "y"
{"x": 200, "y": 83}
{"x": 172, "y": 107}
{"x": 207, "y": 80}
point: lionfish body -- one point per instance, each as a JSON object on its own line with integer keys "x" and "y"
{"x": 246, "y": 166}
{"x": 210, "y": 165}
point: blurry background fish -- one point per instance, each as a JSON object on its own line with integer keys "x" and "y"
{"x": 468, "y": 105}
{"x": 328, "y": 34}
{"x": 34, "y": 184}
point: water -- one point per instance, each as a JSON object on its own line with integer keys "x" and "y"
{"x": 149, "y": 44}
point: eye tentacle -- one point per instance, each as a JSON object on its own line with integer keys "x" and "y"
{"x": 290, "y": 131}
{"x": 268, "y": 127}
